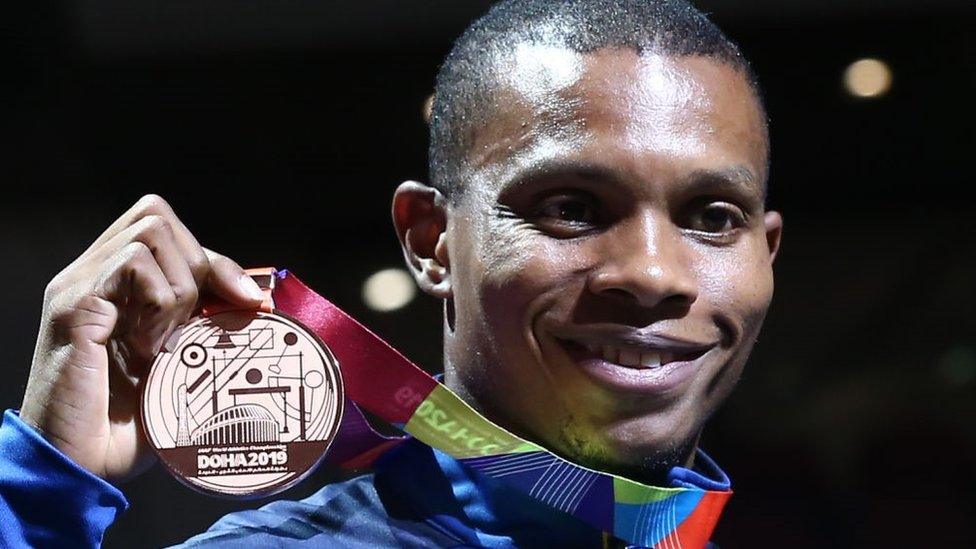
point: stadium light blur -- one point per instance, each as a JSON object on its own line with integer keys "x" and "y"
{"x": 868, "y": 78}
{"x": 389, "y": 290}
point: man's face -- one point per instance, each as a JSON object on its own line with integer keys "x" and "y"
{"x": 610, "y": 256}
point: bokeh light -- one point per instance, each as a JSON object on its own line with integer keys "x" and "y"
{"x": 388, "y": 290}
{"x": 868, "y": 78}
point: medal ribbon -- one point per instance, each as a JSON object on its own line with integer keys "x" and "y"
{"x": 381, "y": 381}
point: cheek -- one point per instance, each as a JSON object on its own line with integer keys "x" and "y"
{"x": 521, "y": 266}
{"x": 737, "y": 281}
{"x": 512, "y": 274}
{"x": 522, "y": 275}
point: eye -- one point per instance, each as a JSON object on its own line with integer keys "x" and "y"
{"x": 718, "y": 218}
{"x": 566, "y": 214}
{"x": 567, "y": 208}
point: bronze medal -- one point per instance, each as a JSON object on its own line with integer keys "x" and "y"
{"x": 245, "y": 404}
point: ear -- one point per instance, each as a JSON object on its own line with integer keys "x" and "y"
{"x": 420, "y": 217}
{"x": 774, "y": 233}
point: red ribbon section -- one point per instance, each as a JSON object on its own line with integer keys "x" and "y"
{"x": 384, "y": 382}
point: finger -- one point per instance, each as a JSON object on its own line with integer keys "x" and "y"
{"x": 155, "y": 205}
{"x": 188, "y": 244}
{"x": 193, "y": 252}
{"x": 134, "y": 278}
{"x": 228, "y": 280}
{"x": 149, "y": 204}
{"x": 157, "y": 234}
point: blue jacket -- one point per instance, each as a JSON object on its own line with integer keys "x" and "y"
{"x": 417, "y": 497}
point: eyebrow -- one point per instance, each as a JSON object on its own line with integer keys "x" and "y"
{"x": 587, "y": 171}
{"x": 737, "y": 178}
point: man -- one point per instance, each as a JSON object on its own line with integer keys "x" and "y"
{"x": 596, "y": 228}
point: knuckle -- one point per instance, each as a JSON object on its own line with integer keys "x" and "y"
{"x": 57, "y": 310}
{"x": 167, "y": 299}
{"x": 199, "y": 265}
{"x": 153, "y": 203}
{"x": 161, "y": 298}
{"x": 136, "y": 252}
{"x": 60, "y": 291}
{"x": 133, "y": 258}
{"x": 154, "y": 225}
{"x": 54, "y": 287}
{"x": 185, "y": 294}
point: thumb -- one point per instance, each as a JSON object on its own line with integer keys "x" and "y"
{"x": 227, "y": 280}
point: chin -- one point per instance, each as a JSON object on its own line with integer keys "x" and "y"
{"x": 639, "y": 448}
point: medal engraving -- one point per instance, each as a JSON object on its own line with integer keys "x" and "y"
{"x": 245, "y": 405}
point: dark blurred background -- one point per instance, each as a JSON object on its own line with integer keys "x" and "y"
{"x": 278, "y": 131}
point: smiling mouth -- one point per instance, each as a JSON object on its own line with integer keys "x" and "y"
{"x": 649, "y": 367}
{"x": 638, "y": 358}
{"x": 635, "y": 358}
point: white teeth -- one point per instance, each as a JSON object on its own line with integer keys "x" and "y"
{"x": 650, "y": 360}
{"x": 630, "y": 358}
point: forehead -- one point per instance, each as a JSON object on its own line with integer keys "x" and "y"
{"x": 614, "y": 106}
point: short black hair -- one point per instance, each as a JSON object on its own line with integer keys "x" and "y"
{"x": 463, "y": 95}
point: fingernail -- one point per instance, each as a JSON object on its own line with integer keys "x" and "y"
{"x": 250, "y": 287}
{"x": 170, "y": 342}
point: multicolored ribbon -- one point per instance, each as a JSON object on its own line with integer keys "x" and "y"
{"x": 383, "y": 382}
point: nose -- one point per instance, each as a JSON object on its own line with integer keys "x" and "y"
{"x": 646, "y": 263}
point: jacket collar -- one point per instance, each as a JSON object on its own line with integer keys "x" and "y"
{"x": 481, "y": 511}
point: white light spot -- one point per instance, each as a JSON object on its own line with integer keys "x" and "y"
{"x": 868, "y": 78}
{"x": 388, "y": 290}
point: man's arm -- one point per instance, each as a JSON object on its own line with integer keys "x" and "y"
{"x": 104, "y": 318}
{"x": 46, "y": 500}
